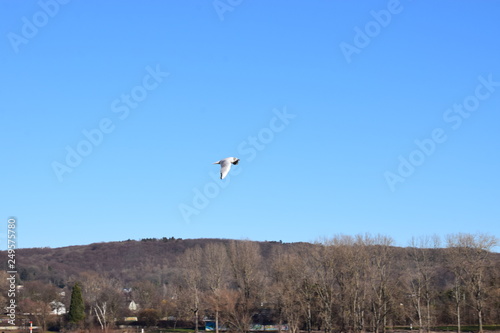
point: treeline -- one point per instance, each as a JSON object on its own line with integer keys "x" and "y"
{"x": 343, "y": 284}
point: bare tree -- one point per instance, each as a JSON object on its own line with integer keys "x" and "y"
{"x": 350, "y": 276}
{"x": 146, "y": 294}
{"x": 103, "y": 297}
{"x": 233, "y": 308}
{"x": 306, "y": 287}
{"x": 191, "y": 264}
{"x": 38, "y": 297}
{"x": 216, "y": 268}
{"x": 379, "y": 277}
{"x": 245, "y": 262}
{"x": 4, "y": 287}
{"x": 458, "y": 290}
{"x": 342, "y": 282}
{"x": 324, "y": 268}
{"x": 421, "y": 253}
{"x": 473, "y": 253}
{"x": 287, "y": 271}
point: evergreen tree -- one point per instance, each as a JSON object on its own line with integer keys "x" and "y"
{"x": 76, "y": 307}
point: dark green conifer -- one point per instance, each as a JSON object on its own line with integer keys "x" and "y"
{"x": 76, "y": 307}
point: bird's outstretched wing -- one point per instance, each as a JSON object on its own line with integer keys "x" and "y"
{"x": 225, "y": 166}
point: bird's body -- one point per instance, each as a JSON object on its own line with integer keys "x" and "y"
{"x": 225, "y": 165}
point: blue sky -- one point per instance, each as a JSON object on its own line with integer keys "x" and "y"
{"x": 348, "y": 118}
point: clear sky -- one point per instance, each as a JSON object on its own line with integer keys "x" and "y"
{"x": 349, "y": 117}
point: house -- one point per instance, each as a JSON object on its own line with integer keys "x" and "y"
{"x": 58, "y": 308}
{"x": 132, "y": 306}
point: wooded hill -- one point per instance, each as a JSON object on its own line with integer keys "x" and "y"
{"x": 128, "y": 261}
{"x": 349, "y": 284}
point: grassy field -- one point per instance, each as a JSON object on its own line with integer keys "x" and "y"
{"x": 451, "y": 328}
{"x": 468, "y": 328}
{"x": 137, "y": 329}
{"x": 175, "y": 330}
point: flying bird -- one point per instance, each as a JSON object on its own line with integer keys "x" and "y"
{"x": 225, "y": 165}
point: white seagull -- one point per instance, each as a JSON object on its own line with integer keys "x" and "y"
{"x": 225, "y": 165}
